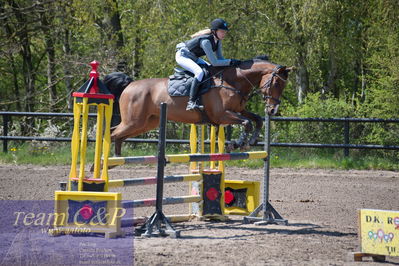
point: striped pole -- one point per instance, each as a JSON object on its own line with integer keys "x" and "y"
{"x": 153, "y": 180}
{"x": 165, "y": 201}
{"x": 132, "y": 160}
{"x": 185, "y": 158}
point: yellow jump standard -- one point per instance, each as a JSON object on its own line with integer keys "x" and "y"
{"x": 92, "y": 93}
{"x": 87, "y": 207}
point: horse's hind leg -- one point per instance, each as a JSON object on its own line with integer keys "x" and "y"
{"x": 123, "y": 132}
{"x": 118, "y": 147}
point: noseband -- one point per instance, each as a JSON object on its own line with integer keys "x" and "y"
{"x": 269, "y": 83}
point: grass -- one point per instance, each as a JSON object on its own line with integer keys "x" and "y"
{"x": 325, "y": 159}
{"x": 41, "y": 153}
{"x": 333, "y": 159}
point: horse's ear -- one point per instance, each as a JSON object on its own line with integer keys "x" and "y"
{"x": 281, "y": 69}
{"x": 288, "y": 69}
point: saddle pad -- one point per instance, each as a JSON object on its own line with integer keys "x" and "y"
{"x": 180, "y": 85}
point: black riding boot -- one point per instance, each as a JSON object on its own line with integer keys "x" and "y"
{"x": 192, "y": 103}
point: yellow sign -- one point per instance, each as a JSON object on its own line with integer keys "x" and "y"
{"x": 379, "y": 232}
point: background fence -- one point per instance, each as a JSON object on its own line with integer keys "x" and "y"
{"x": 345, "y": 122}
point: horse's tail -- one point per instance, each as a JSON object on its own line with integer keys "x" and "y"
{"x": 116, "y": 82}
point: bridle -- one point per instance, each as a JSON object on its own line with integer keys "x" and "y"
{"x": 268, "y": 85}
{"x": 265, "y": 86}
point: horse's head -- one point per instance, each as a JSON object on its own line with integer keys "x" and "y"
{"x": 272, "y": 85}
{"x": 258, "y": 72}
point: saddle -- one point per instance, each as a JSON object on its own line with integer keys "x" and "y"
{"x": 179, "y": 83}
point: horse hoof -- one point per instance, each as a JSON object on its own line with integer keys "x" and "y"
{"x": 253, "y": 142}
{"x": 111, "y": 167}
{"x": 245, "y": 148}
{"x": 229, "y": 147}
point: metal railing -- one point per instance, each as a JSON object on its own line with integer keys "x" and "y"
{"x": 6, "y": 120}
{"x": 346, "y": 132}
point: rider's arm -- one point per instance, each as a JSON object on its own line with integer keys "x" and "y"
{"x": 207, "y": 47}
{"x": 219, "y": 53}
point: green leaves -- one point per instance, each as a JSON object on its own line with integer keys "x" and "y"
{"x": 345, "y": 50}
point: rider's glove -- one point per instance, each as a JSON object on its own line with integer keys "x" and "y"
{"x": 235, "y": 62}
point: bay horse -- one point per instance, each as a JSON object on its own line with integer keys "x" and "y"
{"x": 224, "y": 104}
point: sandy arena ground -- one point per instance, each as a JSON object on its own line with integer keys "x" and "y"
{"x": 320, "y": 205}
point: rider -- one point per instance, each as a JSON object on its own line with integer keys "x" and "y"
{"x": 205, "y": 42}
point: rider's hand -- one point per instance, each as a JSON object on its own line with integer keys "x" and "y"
{"x": 235, "y": 62}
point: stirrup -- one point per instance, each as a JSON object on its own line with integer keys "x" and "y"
{"x": 198, "y": 105}
{"x": 192, "y": 106}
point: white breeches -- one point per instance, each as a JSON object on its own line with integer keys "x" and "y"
{"x": 190, "y": 65}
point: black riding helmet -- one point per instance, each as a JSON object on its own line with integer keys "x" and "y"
{"x": 219, "y": 24}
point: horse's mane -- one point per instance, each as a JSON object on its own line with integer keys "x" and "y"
{"x": 116, "y": 82}
{"x": 261, "y": 58}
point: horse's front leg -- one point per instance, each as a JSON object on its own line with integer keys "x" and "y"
{"x": 242, "y": 141}
{"x": 229, "y": 118}
{"x": 258, "y": 125}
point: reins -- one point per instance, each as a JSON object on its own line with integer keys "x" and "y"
{"x": 220, "y": 73}
{"x": 254, "y": 91}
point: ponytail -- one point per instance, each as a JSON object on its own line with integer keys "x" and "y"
{"x": 201, "y": 32}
